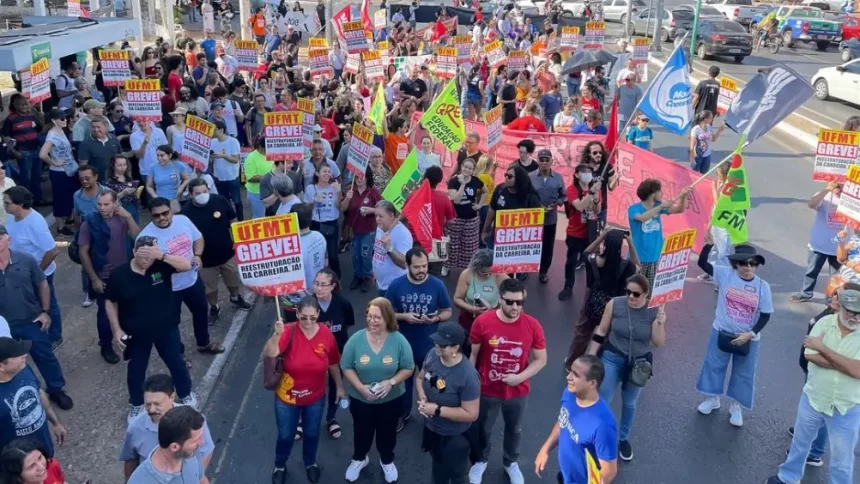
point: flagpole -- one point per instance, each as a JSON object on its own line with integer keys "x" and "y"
{"x": 741, "y": 145}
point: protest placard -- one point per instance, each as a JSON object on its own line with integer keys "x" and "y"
{"x": 373, "y": 68}
{"x": 517, "y": 240}
{"x": 569, "y": 39}
{"x": 406, "y": 63}
{"x": 307, "y": 107}
{"x": 493, "y": 120}
{"x": 246, "y": 55}
{"x": 595, "y": 35}
{"x": 463, "y": 44}
{"x": 495, "y": 55}
{"x": 196, "y": 142}
{"x": 384, "y": 48}
{"x": 837, "y": 150}
{"x": 115, "y": 66}
{"x": 356, "y": 39}
{"x": 353, "y": 62}
{"x": 553, "y": 44}
{"x": 26, "y": 77}
{"x": 640, "y": 50}
{"x": 380, "y": 19}
{"x": 283, "y": 133}
{"x": 848, "y": 211}
{"x": 446, "y": 62}
{"x": 516, "y": 60}
{"x": 406, "y": 180}
{"x": 672, "y": 268}
{"x": 443, "y": 120}
{"x": 319, "y": 64}
{"x": 73, "y": 8}
{"x": 728, "y": 93}
{"x": 40, "y": 81}
{"x": 359, "y": 149}
{"x": 143, "y": 99}
{"x": 269, "y": 255}
{"x": 317, "y": 43}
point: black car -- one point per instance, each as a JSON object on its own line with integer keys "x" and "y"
{"x": 723, "y": 38}
{"x": 849, "y": 49}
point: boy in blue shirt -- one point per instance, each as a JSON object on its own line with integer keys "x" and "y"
{"x": 640, "y": 134}
{"x": 585, "y": 432}
{"x": 208, "y": 45}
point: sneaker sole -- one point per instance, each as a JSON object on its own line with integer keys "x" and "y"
{"x": 709, "y": 411}
{"x": 815, "y": 463}
{"x": 627, "y": 458}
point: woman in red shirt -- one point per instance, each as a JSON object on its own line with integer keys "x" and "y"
{"x": 309, "y": 352}
{"x": 358, "y": 204}
{"x": 25, "y": 461}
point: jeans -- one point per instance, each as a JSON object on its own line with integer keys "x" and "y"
{"x": 30, "y": 173}
{"x": 331, "y": 232}
{"x": 194, "y": 298}
{"x": 712, "y": 378}
{"x": 512, "y": 411}
{"x": 102, "y": 322}
{"x": 371, "y": 420}
{"x": 575, "y": 248}
{"x": 192, "y": 17}
{"x": 230, "y": 189}
{"x": 168, "y": 344}
{"x": 55, "y": 332}
{"x": 331, "y": 400}
{"x": 547, "y": 248}
{"x": 42, "y": 354}
{"x": 408, "y": 398}
{"x": 257, "y": 208}
{"x": 703, "y": 164}
{"x": 362, "y": 255}
{"x": 572, "y": 86}
{"x": 843, "y": 430}
{"x": 616, "y": 366}
{"x": 814, "y": 263}
{"x": 450, "y": 457}
{"x": 287, "y": 419}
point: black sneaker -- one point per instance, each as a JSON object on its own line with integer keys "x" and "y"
{"x": 214, "y": 312}
{"x": 365, "y": 285}
{"x": 810, "y": 461}
{"x": 625, "y": 451}
{"x": 65, "y": 231}
{"x": 240, "y": 303}
{"x": 109, "y": 354}
{"x": 401, "y": 424}
{"x": 543, "y": 278}
{"x": 791, "y": 431}
{"x": 356, "y": 282}
{"x": 62, "y": 400}
{"x": 313, "y": 472}
{"x": 279, "y": 476}
{"x": 774, "y": 480}
{"x": 565, "y": 294}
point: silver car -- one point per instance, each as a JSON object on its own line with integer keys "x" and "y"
{"x": 616, "y": 10}
{"x": 678, "y": 19}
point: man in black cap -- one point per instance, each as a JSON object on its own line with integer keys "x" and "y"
{"x": 25, "y": 407}
{"x": 550, "y": 187}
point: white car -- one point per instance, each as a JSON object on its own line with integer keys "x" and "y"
{"x": 840, "y": 82}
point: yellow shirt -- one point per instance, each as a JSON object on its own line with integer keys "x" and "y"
{"x": 829, "y": 389}
{"x": 489, "y": 183}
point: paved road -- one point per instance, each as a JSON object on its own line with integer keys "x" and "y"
{"x": 672, "y": 442}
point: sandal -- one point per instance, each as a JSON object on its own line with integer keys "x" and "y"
{"x": 299, "y": 432}
{"x": 334, "y": 429}
{"x": 211, "y": 348}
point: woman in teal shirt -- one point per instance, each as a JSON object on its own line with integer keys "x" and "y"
{"x": 375, "y": 362}
{"x": 168, "y": 177}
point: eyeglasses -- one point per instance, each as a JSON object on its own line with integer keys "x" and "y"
{"x": 308, "y": 318}
{"x": 513, "y": 302}
{"x": 371, "y": 317}
{"x": 323, "y": 284}
{"x": 632, "y": 293}
{"x": 749, "y": 263}
{"x": 850, "y": 314}
{"x": 164, "y": 214}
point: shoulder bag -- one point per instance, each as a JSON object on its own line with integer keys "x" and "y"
{"x": 273, "y": 366}
{"x": 640, "y": 368}
{"x": 724, "y": 338}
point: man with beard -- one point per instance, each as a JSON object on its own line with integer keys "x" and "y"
{"x": 141, "y": 437}
{"x": 502, "y": 341}
{"x": 585, "y": 432}
{"x": 180, "y": 435}
{"x": 831, "y": 395}
{"x": 421, "y": 302}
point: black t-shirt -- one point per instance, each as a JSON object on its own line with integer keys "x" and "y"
{"x": 339, "y": 316}
{"x": 213, "y": 221}
{"x": 145, "y": 300}
{"x": 470, "y": 195}
{"x": 462, "y": 155}
{"x": 414, "y": 87}
{"x": 533, "y": 166}
{"x": 509, "y": 110}
{"x": 604, "y": 187}
{"x": 504, "y": 199}
{"x": 708, "y": 92}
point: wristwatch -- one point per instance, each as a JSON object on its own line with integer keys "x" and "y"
{"x": 438, "y": 411}
{"x": 393, "y": 382}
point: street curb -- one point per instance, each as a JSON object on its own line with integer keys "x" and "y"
{"x": 207, "y": 384}
{"x": 786, "y": 127}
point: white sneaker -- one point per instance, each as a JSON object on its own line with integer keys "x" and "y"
{"x": 87, "y": 302}
{"x": 476, "y": 473}
{"x": 390, "y": 472}
{"x": 190, "y": 400}
{"x": 514, "y": 474}
{"x": 444, "y": 271}
{"x": 355, "y": 467}
{"x": 133, "y": 411}
{"x": 709, "y": 405}
{"x": 736, "y": 415}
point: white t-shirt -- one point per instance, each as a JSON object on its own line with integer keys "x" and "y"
{"x": 227, "y": 66}
{"x": 309, "y": 170}
{"x": 384, "y": 269}
{"x": 313, "y": 260}
{"x": 31, "y": 235}
{"x": 426, "y": 160}
{"x": 230, "y": 109}
{"x": 177, "y": 239}
{"x": 324, "y": 201}
{"x": 223, "y": 169}
{"x": 4, "y": 328}
{"x": 7, "y": 184}
{"x": 156, "y": 139}
{"x": 285, "y": 207}
{"x": 564, "y": 122}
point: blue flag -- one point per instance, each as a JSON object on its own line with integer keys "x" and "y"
{"x": 668, "y": 100}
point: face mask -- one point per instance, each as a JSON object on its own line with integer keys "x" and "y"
{"x": 586, "y": 177}
{"x": 201, "y": 199}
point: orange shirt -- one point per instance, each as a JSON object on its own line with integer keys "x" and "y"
{"x": 258, "y": 25}
{"x": 396, "y": 151}
{"x": 191, "y": 60}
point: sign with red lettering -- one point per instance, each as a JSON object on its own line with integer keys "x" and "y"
{"x": 446, "y": 62}
{"x": 848, "y": 211}
{"x": 517, "y": 240}
{"x": 115, "y": 66}
{"x": 569, "y": 39}
{"x": 246, "y": 55}
{"x": 516, "y": 60}
{"x": 196, "y": 143}
{"x": 493, "y": 120}
{"x": 40, "y": 81}
{"x": 353, "y": 62}
{"x": 269, "y": 255}
{"x": 595, "y": 35}
{"x": 463, "y": 44}
{"x": 359, "y": 149}
{"x": 283, "y": 133}
{"x": 672, "y": 268}
{"x": 143, "y": 99}
{"x": 319, "y": 65}
{"x": 495, "y": 55}
{"x": 837, "y": 150}
{"x": 307, "y": 107}
{"x": 373, "y": 68}
{"x": 356, "y": 39}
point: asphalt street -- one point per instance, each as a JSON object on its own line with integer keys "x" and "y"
{"x": 672, "y": 443}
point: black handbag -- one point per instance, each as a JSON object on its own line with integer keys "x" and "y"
{"x": 724, "y": 343}
{"x": 639, "y": 368}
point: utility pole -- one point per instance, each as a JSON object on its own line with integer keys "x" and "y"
{"x": 658, "y": 28}
{"x": 695, "y": 30}
{"x": 329, "y": 11}
{"x": 628, "y": 19}
{"x": 135, "y": 12}
{"x": 244, "y": 26}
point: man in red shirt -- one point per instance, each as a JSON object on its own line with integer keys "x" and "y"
{"x": 582, "y": 207}
{"x": 529, "y": 122}
{"x": 174, "y": 78}
{"x": 502, "y": 341}
{"x": 330, "y": 131}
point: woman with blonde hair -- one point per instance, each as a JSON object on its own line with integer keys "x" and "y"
{"x": 375, "y": 363}
{"x": 485, "y": 170}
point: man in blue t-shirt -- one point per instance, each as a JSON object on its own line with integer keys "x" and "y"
{"x": 640, "y": 134}
{"x": 646, "y": 226}
{"x": 585, "y": 432}
{"x": 421, "y": 302}
{"x": 208, "y": 45}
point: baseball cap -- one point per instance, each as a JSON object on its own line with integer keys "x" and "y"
{"x": 179, "y": 111}
{"x": 850, "y": 300}
{"x": 449, "y": 334}
{"x": 216, "y": 105}
{"x": 544, "y": 153}
{"x": 10, "y": 348}
{"x": 92, "y": 104}
{"x": 3, "y": 230}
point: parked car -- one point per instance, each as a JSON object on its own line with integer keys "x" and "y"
{"x": 673, "y": 21}
{"x": 616, "y": 10}
{"x": 741, "y": 11}
{"x": 707, "y": 12}
{"x": 834, "y": 5}
{"x": 723, "y": 38}
{"x": 840, "y": 82}
{"x": 849, "y": 49}
{"x": 806, "y": 24}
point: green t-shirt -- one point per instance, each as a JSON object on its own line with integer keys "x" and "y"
{"x": 256, "y": 164}
{"x": 396, "y": 355}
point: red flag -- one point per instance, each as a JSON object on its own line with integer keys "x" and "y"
{"x": 341, "y": 17}
{"x": 365, "y": 15}
{"x": 612, "y": 131}
{"x": 84, "y": 12}
{"x": 418, "y": 210}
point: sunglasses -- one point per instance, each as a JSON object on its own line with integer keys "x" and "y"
{"x": 514, "y": 302}
{"x": 164, "y": 214}
{"x": 749, "y": 263}
{"x": 850, "y": 314}
{"x": 308, "y": 318}
{"x": 593, "y": 153}
{"x": 635, "y": 294}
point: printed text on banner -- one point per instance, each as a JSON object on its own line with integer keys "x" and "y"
{"x": 196, "y": 143}
{"x": 318, "y": 62}
{"x": 359, "y": 149}
{"x": 373, "y": 68}
{"x": 307, "y": 107}
{"x": 516, "y": 60}
{"x": 848, "y": 212}
{"x": 837, "y": 150}
{"x": 283, "y": 133}
{"x": 446, "y": 62}
{"x": 569, "y": 39}
{"x": 493, "y": 121}
{"x": 495, "y": 54}
{"x": 356, "y": 39}
{"x": 269, "y": 255}
{"x": 114, "y": 64}
{"x": 246, "y": 55}
{"x": 728, "y": 93}
{"x": 143, "y": 99}
{"x": 517, "y": 240}
{"x": 595, "y": 35}
{"x": 40, "y": 81}
{"x": 672, "y": 268}
{"x": 463, "y": 44}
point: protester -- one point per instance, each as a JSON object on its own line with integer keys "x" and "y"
{"x": 465, "y": 191}
{"x": 517, "y": 192}
{"x": 23, "y": 126}
{"x": 314, "y": 259}
{"x": 640, "y": 134}
{"x": 324, "y": 194}
{"x": 62, "y": 167}
{"x": 180, "y": 434}
{"x": 525, "y": 161}
{"x": 822, "y": 239}
{"x": 255, "y": 167}
{"x": 702, "y": 137}
{"x": 381, "y": 172}
{"x": 477, "y": 291}
{"x": 390, "y": 245}
{"x": 592, "y": 123}
{"x": 707, "y": 92}
{"x": 358, "y": 206}
{"x": 26, "y": 461}
{"x": 551, "y": 190}
{"x": 225, "y": 155}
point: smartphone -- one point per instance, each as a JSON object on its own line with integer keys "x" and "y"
{"x": 125, "y": 353}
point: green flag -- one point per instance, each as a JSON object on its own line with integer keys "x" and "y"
{"x": 443, "y": 120}
{"x": 405, "y": 181}
{"x": 377, "y": 110}
{"x": 734, "y": 199}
